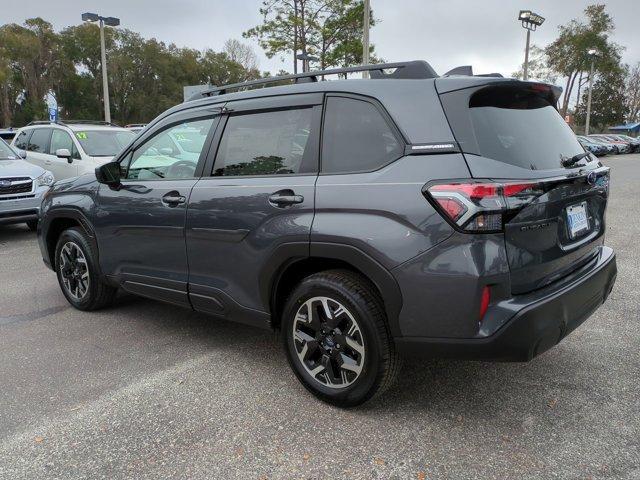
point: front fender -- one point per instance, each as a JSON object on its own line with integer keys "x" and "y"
{"x": 68, "y": 203}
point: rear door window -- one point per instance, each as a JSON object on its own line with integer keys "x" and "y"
{"x": 356, "y": 137}
{"x": 266, "y": 143}
{"x": 22, "y": 141}
{"x": 39, "y": 141}
{"x": 511, "y": 124}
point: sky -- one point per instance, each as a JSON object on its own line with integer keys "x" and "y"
{"x": 446, "y": 33}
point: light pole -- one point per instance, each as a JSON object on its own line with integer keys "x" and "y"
{"x": 530, "y": 21}
{"x": 593, "y": 53}
{"x": 111, "y": 22}
{"x": 365, "y": 37}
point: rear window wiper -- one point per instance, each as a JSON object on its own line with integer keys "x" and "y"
{"x": 570, "y": 162}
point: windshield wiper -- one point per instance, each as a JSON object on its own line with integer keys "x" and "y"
{"x": 570, "y": 162}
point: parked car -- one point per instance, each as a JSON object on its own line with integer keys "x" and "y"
{"x": 597, "y": 149}
{"x": 21, "y": 188}
{"x": 623, "y": 147}
{"x": 7, "y": 134}
{"x": 386, "y": 232}
{"x": 634, "y": 142}
{"x": 619, "y": 140}
{"x": 612, "y": 149}
{"x": 71, "y": 148}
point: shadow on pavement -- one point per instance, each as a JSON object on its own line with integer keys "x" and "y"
{"x": 15, "y": 232}
{"x": 442, "y": 387}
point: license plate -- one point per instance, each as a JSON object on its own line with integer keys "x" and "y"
{"x": 577, "y": 219}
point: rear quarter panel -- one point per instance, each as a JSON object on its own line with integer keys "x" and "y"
{"x": 384, "y": 213}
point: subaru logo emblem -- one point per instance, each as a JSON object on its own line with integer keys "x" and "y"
{"x": 592, "y": 178}
{"x": 5, "y": 183}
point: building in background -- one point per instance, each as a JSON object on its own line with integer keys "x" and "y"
{"x": 632, "y": 129}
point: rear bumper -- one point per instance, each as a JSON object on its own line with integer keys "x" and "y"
{"x": 536, "y": 327}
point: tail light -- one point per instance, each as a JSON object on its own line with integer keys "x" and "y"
{"x": 481, "y": 206}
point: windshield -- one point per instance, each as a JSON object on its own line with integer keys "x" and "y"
{"x": 104, "y": 143}
{"x": 520, "y": 127}
{"x": 5, "y": 152}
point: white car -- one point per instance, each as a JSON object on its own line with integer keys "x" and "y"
{"x": 21, "y": 188}
{"x": 71, "y": 148}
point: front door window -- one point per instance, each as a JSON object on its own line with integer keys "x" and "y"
{"x": 171, "y": 154}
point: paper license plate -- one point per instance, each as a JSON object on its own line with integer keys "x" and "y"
{"x": 577, "y": 219}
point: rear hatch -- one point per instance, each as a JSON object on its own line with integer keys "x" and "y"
{"x": 552, "y": 212}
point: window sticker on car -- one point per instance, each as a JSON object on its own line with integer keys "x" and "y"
{"x": 81, "y": 135}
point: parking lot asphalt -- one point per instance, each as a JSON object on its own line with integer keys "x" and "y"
{"x": 147, "y": 390}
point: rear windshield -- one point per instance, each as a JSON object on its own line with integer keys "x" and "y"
{"x": 515, "y": 125}
{"x": 104, "y": 143}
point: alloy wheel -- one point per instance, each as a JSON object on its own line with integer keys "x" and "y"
{"x": 74, "y": 271}
{"x": 328, "y": 342}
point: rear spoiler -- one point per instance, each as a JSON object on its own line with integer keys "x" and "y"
{"x": 467, "y": 71}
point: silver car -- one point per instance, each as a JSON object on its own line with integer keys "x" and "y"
{"x": 21, "y": 188}
{"x": 71, "y": 148}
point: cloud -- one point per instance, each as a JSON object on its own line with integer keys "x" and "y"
{"x": 446, "y": 33}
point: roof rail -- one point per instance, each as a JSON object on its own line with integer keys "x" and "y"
{"x": 89, "y": 122}
{"x": 40, "y": 122}
{"x": 77, "y": 122}
{"x": 417, "y": 69}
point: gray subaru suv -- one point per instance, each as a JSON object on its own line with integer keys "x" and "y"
{"x": 364, "y": 219}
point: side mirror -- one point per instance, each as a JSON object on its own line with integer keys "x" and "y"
{"x": 109, "y": 174}
{"x": 64, "y": 153}
{"x": 22, "y": 154}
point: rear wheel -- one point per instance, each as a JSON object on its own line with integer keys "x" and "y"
{"x": 76, "y": 264}
{"x": 337, "y": 340}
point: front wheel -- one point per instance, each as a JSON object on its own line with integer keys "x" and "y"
{"x": 76, "y": 264}
{"x": 337, "y": 340}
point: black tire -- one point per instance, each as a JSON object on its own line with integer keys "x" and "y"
{"x": 99, "y": 294}
{"x": 379, "y": 362}
{"x": 33, "y": 225}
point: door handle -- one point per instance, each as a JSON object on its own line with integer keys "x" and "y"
{"x": 284, "y": 198}
{"x": 47, "y": 162}
{"x": 173, "y": 199}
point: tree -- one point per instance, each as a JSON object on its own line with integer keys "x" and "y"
{"x": 568, "y": 57}
{"x": 340, "y": 41}
{"x": 538, "y": 67}
{"x": 81, "y": 45}
{"x": 632, "y": 93}
{"x": 241, "y": 53}
{"x": 145, "y": 76}
{"x": 607, "y": 100}
{"x": 30, "y": 61}
{"x": 329, "y": 29}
